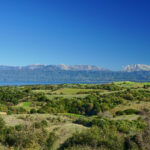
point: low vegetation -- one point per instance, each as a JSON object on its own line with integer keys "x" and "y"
{"x": 112, "y": 116}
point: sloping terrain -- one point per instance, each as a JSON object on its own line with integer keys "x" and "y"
{"x": 113, "y": 116}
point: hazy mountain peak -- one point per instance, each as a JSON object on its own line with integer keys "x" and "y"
{"x": 34, "y": 66}
{"x": 56, "y": 67}
{"x": 80, "y": 67}
{"x": 63, "y": 67}
{"x": 136, "y": 67}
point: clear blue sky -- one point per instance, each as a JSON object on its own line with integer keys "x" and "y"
{"x": 109, "y": 33}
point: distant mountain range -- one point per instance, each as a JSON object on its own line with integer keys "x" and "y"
{"x": 128, "y": 68}
{"x": 72, "y": 74}
{"x": 54, "y": 67}
{"x": 137, "y": 67}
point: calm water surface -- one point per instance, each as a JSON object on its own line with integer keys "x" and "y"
{"x": 42, "y": 83}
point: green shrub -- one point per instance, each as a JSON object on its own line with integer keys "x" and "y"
{"x": 37, "y": 125}
{"x": 118, "y": 113}
{"x": 50, "y": 141}
{"x": 44, "y": 123}
{"x": 127, "y": 112}
{"x": 33, "y": 111}
{"x": 95, "y": 137}
{"x": 131, "y": 111}
{"x": 20, "y": 110}
{"x": 9, "y": 112}
{"x": 18, "y": 127}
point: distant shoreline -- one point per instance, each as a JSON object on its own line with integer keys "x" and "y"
{"x": 56, "y": 83}
{"x": 46, "y": 83}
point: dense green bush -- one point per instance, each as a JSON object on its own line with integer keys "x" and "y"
{"x": 44, "y": 123}
{"x": 11, "y": 94}
{"x": 96, "y": 138}
{"x": 37, "y": 125}
{"x": 2, "y": 130}
{"x": 27, "y": 138}
{"x": 50, "y": 140}
{"x": 33, "y": 111}
{"x": 127, "y": 112}
{"x": 94, "y": 103}
{"x": 18, "y": 127}
{"x": 131, "y": 111}
{"x": 124, "y": 126}
{"x": 90, "y": 105}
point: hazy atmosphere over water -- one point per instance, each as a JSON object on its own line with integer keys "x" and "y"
{"x": 97, "y": 32}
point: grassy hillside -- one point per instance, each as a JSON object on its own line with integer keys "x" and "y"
{"x": 113, "y": 116}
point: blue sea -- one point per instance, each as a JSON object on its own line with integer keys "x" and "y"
{"x": 44, "y": 83}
